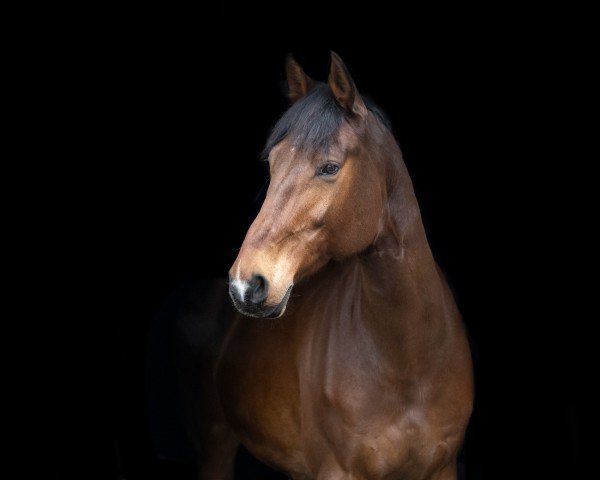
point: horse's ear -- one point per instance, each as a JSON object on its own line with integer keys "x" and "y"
{"x": 299, "y": 83}
{"x": 343, "y": 87}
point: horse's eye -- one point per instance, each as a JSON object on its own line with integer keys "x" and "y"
{"x": 329, "y": 169}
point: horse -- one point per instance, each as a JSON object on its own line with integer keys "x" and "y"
{"x": 347, "y": 358}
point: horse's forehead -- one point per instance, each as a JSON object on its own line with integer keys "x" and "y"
{"x": 281, "y": 148}
{"x": 343, "y": 139}
{"x": 346, "y": 134}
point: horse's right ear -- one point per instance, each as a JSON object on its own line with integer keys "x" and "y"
{"x": 299, "y": 83}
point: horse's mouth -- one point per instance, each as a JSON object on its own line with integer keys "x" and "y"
{"x": 264, "y": 310}
{"x": 280, "y": 309}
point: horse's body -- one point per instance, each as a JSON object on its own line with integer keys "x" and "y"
{"x": 367, "y": 374}
{"x": 336, "y": 390}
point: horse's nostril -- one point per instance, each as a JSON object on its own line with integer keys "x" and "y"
{"x": 258, "y": 289}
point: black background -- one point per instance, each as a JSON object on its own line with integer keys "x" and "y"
{"x": 157, "y": 177}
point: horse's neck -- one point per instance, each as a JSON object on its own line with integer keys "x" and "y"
{"x": 400, "y": 292}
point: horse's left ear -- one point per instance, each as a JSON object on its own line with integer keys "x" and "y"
{"x": 299, "y": 83}
{"x": 343, "y": 87}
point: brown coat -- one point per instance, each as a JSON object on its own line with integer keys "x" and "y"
{"x": 366, "y": 371}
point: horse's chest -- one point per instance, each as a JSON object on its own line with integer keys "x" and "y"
{"x": 306, "y": 421}
{"x": 259, "y": 389}
{"x": 369, "y": 433}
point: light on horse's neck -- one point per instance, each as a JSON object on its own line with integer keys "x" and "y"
{"x": 399, "y": 264}
{"x": 401, "y": 227}
{"x": 399, "y": 277}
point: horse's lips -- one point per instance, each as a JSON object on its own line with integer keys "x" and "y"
{"x": 280, "y": 309}
{"x": 276, "y": 312}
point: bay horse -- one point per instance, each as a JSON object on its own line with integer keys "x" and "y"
{"x": 356, "y": 365}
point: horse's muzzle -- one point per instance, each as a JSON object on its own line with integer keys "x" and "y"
{"x": 250, "y": 298}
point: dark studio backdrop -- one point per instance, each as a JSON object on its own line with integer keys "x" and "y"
{"x": 168, "y": 124}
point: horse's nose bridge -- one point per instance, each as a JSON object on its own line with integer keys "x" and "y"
{"x": 271, "y": 226}
{"x": 261, "y": 229}
{"x": 277, "y": 213}
{"x": 268, "y": 237}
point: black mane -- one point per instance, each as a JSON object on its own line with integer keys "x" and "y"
{"x": 312, "y": 122}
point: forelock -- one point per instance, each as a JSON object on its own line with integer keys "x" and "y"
{"x": 310, "y": 124}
